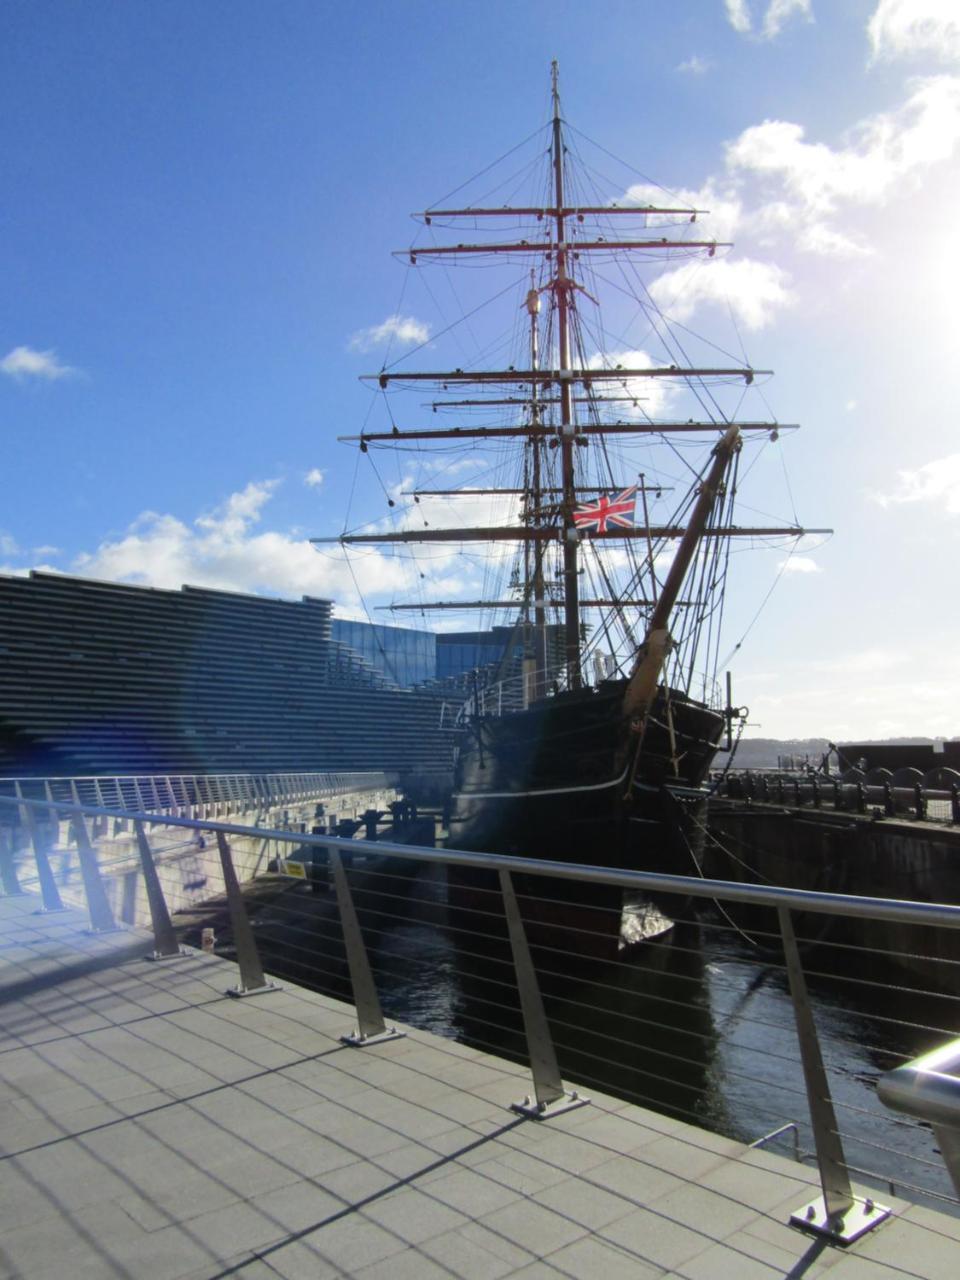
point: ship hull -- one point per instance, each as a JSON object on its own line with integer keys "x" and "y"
{"x": 563, "y": 781}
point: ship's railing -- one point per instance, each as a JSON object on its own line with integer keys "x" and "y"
{"x": 511, "y": 694}
{"x": 739, "y": 997}
{"x": 933, "y": 796}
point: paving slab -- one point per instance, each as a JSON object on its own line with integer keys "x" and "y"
{"x": 153, "y": 1129}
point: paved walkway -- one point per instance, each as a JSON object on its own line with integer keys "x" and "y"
{"x": 151, "y": 1128}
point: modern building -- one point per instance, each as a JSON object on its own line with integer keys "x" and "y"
{"x": 103, "y": 678}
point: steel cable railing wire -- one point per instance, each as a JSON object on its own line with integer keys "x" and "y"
{"x": 493, "y": 1021}
{"x": 507, "y": 984}
{"x": 601, "y": 1059}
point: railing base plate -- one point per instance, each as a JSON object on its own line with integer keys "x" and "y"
{"x": 534, "y": 1110}
{"x": 241, "y": 993}
{"x": 158, "y": 956}
{"x": 357, "y": 1041}
{"x": 861, "y": 1217}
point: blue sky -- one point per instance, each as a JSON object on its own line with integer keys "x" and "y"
{"x": 199, "y": 206}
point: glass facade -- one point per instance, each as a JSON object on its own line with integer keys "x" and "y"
{"x": 404, "y": 657}
{"x": 461, "y": 651}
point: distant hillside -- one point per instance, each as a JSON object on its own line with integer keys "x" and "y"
{"x": 767, "y": 753}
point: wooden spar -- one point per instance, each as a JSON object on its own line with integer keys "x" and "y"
{"x": 513, "y": 604}
{"x": 519, "y": 533}
{"x": 572, "y": 211}
{"x": 550, "y": 247}
{"x": 545, "y": 431}
{"x": 646, "y": 674}
{"x": 565, "y": 375}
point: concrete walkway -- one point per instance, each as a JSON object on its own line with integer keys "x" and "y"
{"x": 151, "y": 1128}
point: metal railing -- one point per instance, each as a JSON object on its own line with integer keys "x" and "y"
{"x": 193, "y": 795}
{"x": 336, "y": 870}
{"x": 928, "y": 1089}
{"x": 934, "y": 796}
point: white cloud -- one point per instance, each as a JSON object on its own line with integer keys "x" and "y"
{"x": 404, "y": 329}
{"x": 224, "y": 549}
{"x": 8, "y": 545}
{"x": 651, "y": 394}
{"x": 314, "y": 478}
{"x": 905, "y": 28}
{"x": 723, "y": 206}
{"x": 884, "y": 150}
{"x": 936, "y": 482}
{"x": 799, "y": 564}
{"x": 755, "y": 291}
{"x": 24, "y": 362}
{"x": 777, "y": 15}
{"x": 695, "y": 65}
{"x": 738, "y": 15}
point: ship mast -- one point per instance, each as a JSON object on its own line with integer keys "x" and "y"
{"x": 534, "y": 498}
{"x": 545, "y": 395}
{"x": 562, "y": 289}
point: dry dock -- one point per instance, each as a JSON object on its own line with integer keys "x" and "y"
{"x": 151, "y": 1127}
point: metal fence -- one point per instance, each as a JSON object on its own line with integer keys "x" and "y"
{"x": 193, "y": 795}
{"x": 906, "y": 793}
{"x": 742, "y": 1008}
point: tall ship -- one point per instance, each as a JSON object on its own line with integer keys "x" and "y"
{"x": 599, "y": 464}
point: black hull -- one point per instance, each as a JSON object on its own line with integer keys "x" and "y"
{"x": 562, "y": 781}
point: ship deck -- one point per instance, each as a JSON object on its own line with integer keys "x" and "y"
{"x": 152, "y": 1128}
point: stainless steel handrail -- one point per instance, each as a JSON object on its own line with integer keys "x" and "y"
{"x": 838, "y": 1214}
{"x": 928, "y": 1088}
{"x": 838, "y": 904}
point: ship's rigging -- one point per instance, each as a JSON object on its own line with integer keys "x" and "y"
{"x": 584, "y": 409}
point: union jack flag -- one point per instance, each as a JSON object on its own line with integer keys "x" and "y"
{"x": 607, "y": 511}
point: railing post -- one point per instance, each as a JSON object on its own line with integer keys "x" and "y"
{"x": 98, "y": 905}
{"x": 550, "y": 1098}
{"x": 165, "y": 942}
{"x": 371, "y": 1028}
{"x": 919, "y": 803}
{"x": 49, "y": 893}
{"x": 955, "y": 802}
{"x": 252, "y": 981}
{"x": 837, "y": 1214}
{"x": 8, "y": 866}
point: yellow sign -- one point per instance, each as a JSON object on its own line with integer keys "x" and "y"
{"x": 296, "y": 869}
